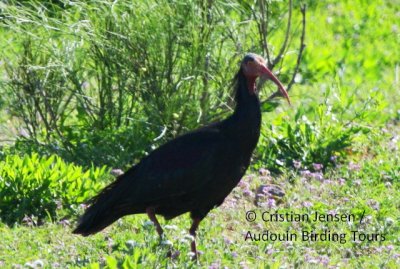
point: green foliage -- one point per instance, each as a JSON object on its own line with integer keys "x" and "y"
{"x": 82, "y": 71}
{"x": 345, "y": 103}
{"x": 41, "y": 188}
{"x": 326, "y": 138}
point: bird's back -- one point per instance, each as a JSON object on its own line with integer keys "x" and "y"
{"x": 192, "y": 173}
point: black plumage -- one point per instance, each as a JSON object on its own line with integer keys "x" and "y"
{"x": 192, "y": 173}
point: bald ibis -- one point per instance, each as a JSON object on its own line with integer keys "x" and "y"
{"x": 192, "y": 173}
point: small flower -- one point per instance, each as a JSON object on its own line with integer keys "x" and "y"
{"x": 341, "y": 181}
{"x": 64, "y": 222}
{"x": 38, "y": 264}
{"x": 243, "y": 265}
{"x": 373, "y": 204}
{"x": 271, "y": 251}
{"x": 214, "y": 265}
{"x": 357, "y": 182}
{"x": 171, "y": 227}
{"x": 307, "y": 204}
{"x": 318, "y": 166}
{"x": 332, "y": 212}
{"x": 389, "y": 221}
{"x": 367, "y": 219}
{"x": 318, "y": 176}
{"x": 59, "y": 204}
{"x": 324, "y": 260}
{"x": 116, "y": 172}
{"x": 243, "y": 184}
{"x": 310, "y": 259}
{"x": 296, "y": 164}
{"x": 388, "y": 184}
{"x": 175, "y": 254}
{"x": 305, "y": 173}
{"x": 148, "y": 223}
{"x": 227, "y": 241}
{"x": 354, "y": 166}
{"x": 265, "y": 189}
{"x": 166, "y": 243}
{"x": 131, "y": 244}
{"x": 264, "y": 172}
{"x": 271, "y": 203}
{"x": 396, "y": 256}
{"x": 247, "y": 192}
{"x": 83, "y": 206}
{"x": 189, "y": 237}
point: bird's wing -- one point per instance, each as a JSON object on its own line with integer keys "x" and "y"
{"x": 177, "y": 168}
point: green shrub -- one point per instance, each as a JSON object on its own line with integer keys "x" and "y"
{"x": 44, "y": 187}
{"x": 158, "y": 68}
{"x": 321, "y": 132}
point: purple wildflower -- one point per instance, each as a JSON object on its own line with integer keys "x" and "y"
{"x": 310, "y": 259}
{"x": 271, "y": 251}
{"x": 264, "y": 172}
{"x": 390, "y": 248}
{"x": 227, "y": 241}
{"x": 243, "y": 265}
{"x": 271, "y": 203}
{"x": 317, "y": 176}
{"x": 214, "y": 265}
{"x": 318, "y": 166}
{"x": 307, "y": 204}
{"x": 243, "y": 184}
{"x": 175, "y": 254}
{"x": 266, "y": 189}
{"x": 324, "y": 260}
{"x": 354, "y": 166}
{"x": 332, "y": 212}
{"x": 247, "y": 192}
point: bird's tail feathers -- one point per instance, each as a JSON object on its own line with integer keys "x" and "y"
{"x": 102, "y": 210}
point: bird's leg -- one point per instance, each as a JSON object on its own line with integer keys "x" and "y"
{"x": 192, "y": 231}
{"x": 152, "y": 216}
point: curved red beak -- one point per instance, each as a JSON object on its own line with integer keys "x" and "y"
{"x": 272, "y": 77}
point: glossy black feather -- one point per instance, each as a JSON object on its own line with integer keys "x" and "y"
{"x": 192, "y": 173}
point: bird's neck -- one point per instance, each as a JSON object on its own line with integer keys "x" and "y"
{"x": 244, "y": 125}
{"x": 247, "y": 102}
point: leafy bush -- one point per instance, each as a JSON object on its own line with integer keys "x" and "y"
{"x": 321, "y": 133}
{"x": 44, "y": 187}
{"x": 158, "y": 68}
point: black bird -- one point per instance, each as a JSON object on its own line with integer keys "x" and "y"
{"x": 192, "y": 173}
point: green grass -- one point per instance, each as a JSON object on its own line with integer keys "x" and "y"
{"x": 368, "y": 185}
{"x": 345, "y": 115}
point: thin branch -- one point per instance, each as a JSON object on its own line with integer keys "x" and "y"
{"x": 263, "y": 28}
{"x": 299, "y": 56}
{"x": 285, "y": 42}
{"x": 302, "y": 46}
